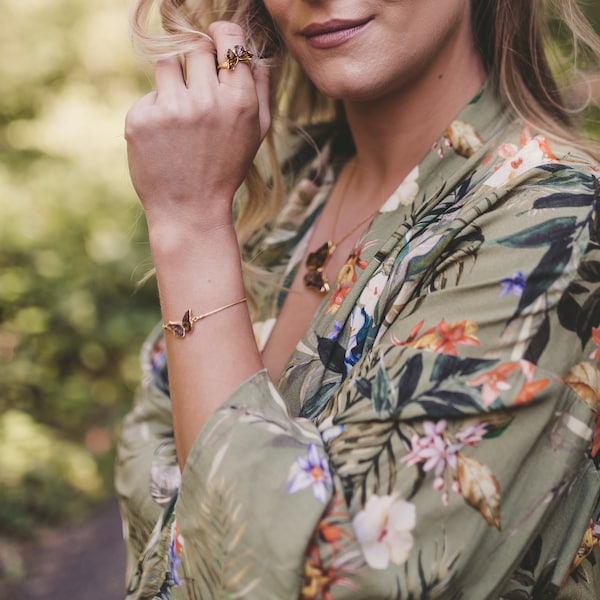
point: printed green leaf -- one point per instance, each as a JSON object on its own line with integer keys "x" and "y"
{"x": 447, "y": 366}
{"x": 564, "y": 200}
{"x": 590, "y": 271}
{"x": 543, "y": 234}
{"x": 363, "y": 386}
{"x": 408, "y": 380}
{"x": 380, "y": 392}
{"x": 331, "y": 354}
{"x": 546, "y": 272}
{"x": 589, "y": 317}
{"x": 538, "y": 343}
{"x": 568, "y": 309}
{"x": 436, "y": 410}
{"x": 314, "y": 405}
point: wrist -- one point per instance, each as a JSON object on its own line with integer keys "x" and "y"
{"x": 169, "y": 240}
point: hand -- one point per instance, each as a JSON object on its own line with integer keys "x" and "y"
{"x": 191, "y": 142}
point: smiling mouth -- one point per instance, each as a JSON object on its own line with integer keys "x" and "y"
{"x": 333, "y": 33}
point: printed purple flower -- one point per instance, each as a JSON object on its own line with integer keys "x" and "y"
{"x": 437, "y": 451}
{"x": 311, "y": 471}
{"x": 174, "y": 551}
{"x": 513, "y": 285}
{"x": 431, "y": 450}
{"x": 472, "y": 435}
{"x": 158, "y": 356}
{"x": 337, "y": 328}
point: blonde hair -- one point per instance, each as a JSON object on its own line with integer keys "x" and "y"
{"x": 510, "y": 34}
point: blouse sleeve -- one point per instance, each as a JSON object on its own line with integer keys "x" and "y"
{"x": 455, "y": 459}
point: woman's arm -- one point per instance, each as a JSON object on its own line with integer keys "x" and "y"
{"x": 190, "y": 144}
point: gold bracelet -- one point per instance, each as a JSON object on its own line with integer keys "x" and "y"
{"x": 180, "y": 328}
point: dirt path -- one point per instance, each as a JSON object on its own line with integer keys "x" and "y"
{"x": 79, "y": 562}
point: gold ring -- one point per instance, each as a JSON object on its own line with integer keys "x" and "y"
{"x": 232, "y": 57}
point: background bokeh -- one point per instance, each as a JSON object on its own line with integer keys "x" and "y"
{"x": 72, "y": 251}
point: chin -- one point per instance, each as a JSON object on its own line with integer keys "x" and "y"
{"x": 355, "y": 93}
{"x": 349, "y": 87}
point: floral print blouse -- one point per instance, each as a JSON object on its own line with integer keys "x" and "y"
{"x": 435, "y": 432}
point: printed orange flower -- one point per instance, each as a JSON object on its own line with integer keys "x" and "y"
{"x": 426, "y": 340}
{"x": 596, "y": 438}
{"x": 529, "y": 390}
{"x": 493, "y": 382}
{"x": 443, "y": 338}
{"x": 595, "y": 355}
{"x": 450, "y": 335}
{"x": 347, "y": 276}
{"x": 337, "y": 298}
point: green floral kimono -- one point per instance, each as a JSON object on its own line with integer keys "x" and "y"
{"x": 434, "y": 434}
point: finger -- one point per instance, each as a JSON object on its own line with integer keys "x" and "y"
{"x": 261, "y": 73}
{"x": 168, "y": 75}
{"x": 227, "y": 36}
{"x": 200, "y": 64}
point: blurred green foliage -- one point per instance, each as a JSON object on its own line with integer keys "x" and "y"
{"x": 72, "y": 247}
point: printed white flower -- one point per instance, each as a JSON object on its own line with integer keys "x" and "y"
{"x": 464, "y": 138}
{"x": 358, "y": 320}
{"x": 383, "y": 529}
{"x": 262, "y": 331}
{"x": 329, "y": 431}
{"x": 532, "y": 154}
{"x": 405, "y": 193}
{"x": 372, "y": 291}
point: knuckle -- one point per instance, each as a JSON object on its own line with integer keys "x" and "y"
{"x": 134, "y": 124}
{"x": 243, "y": 103}
{"x": 227, "y": 29}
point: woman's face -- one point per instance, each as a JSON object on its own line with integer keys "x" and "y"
{"x": 362, "y": 49}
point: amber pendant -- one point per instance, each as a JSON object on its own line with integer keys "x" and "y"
{"x": 316, "y": 263}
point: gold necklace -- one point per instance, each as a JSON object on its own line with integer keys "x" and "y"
{"x": 316, "y": 262}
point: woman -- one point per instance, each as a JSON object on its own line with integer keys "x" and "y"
{"x": 410, "y": 411}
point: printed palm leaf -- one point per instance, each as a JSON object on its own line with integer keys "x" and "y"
{"x": 436, "y": 579}
{"x": 223, "y": 571}
{"x": 449, "y": 396}
{"x": 152, "y": 579}
{"x": 558, "y": 235}
{"x": 363, "y": 456}
{"x": 582, "y": 318}
{"x": 394, "y": 389}
{"x": 563, "y": 176}
{"x": 462, "y": 248}
{"x": 389, "y": 396}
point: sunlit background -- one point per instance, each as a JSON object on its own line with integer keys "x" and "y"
{"x": 72, "y": 250}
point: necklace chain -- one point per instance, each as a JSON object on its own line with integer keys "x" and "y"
{"x": 316, "y": 262}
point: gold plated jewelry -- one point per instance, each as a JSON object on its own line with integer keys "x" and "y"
{"x": 239, "y": 54}
{"x": 180, "y": 328}
{"x": 316, "y": 262}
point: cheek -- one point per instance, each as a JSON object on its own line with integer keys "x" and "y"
{"x": 277, "y": 9}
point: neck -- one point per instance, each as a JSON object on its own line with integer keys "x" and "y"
{"x": 393, "y": 133}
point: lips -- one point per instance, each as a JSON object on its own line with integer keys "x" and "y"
{"x": 333, "y": 33}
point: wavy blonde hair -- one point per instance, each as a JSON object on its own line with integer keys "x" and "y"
{"x": 510, "y": 34}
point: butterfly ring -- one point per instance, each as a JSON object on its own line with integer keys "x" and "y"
{"x": 232, "y": 57}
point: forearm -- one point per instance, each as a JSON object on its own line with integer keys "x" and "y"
{"x": 201, "y": 271}
{"x": 190, "y": 145}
